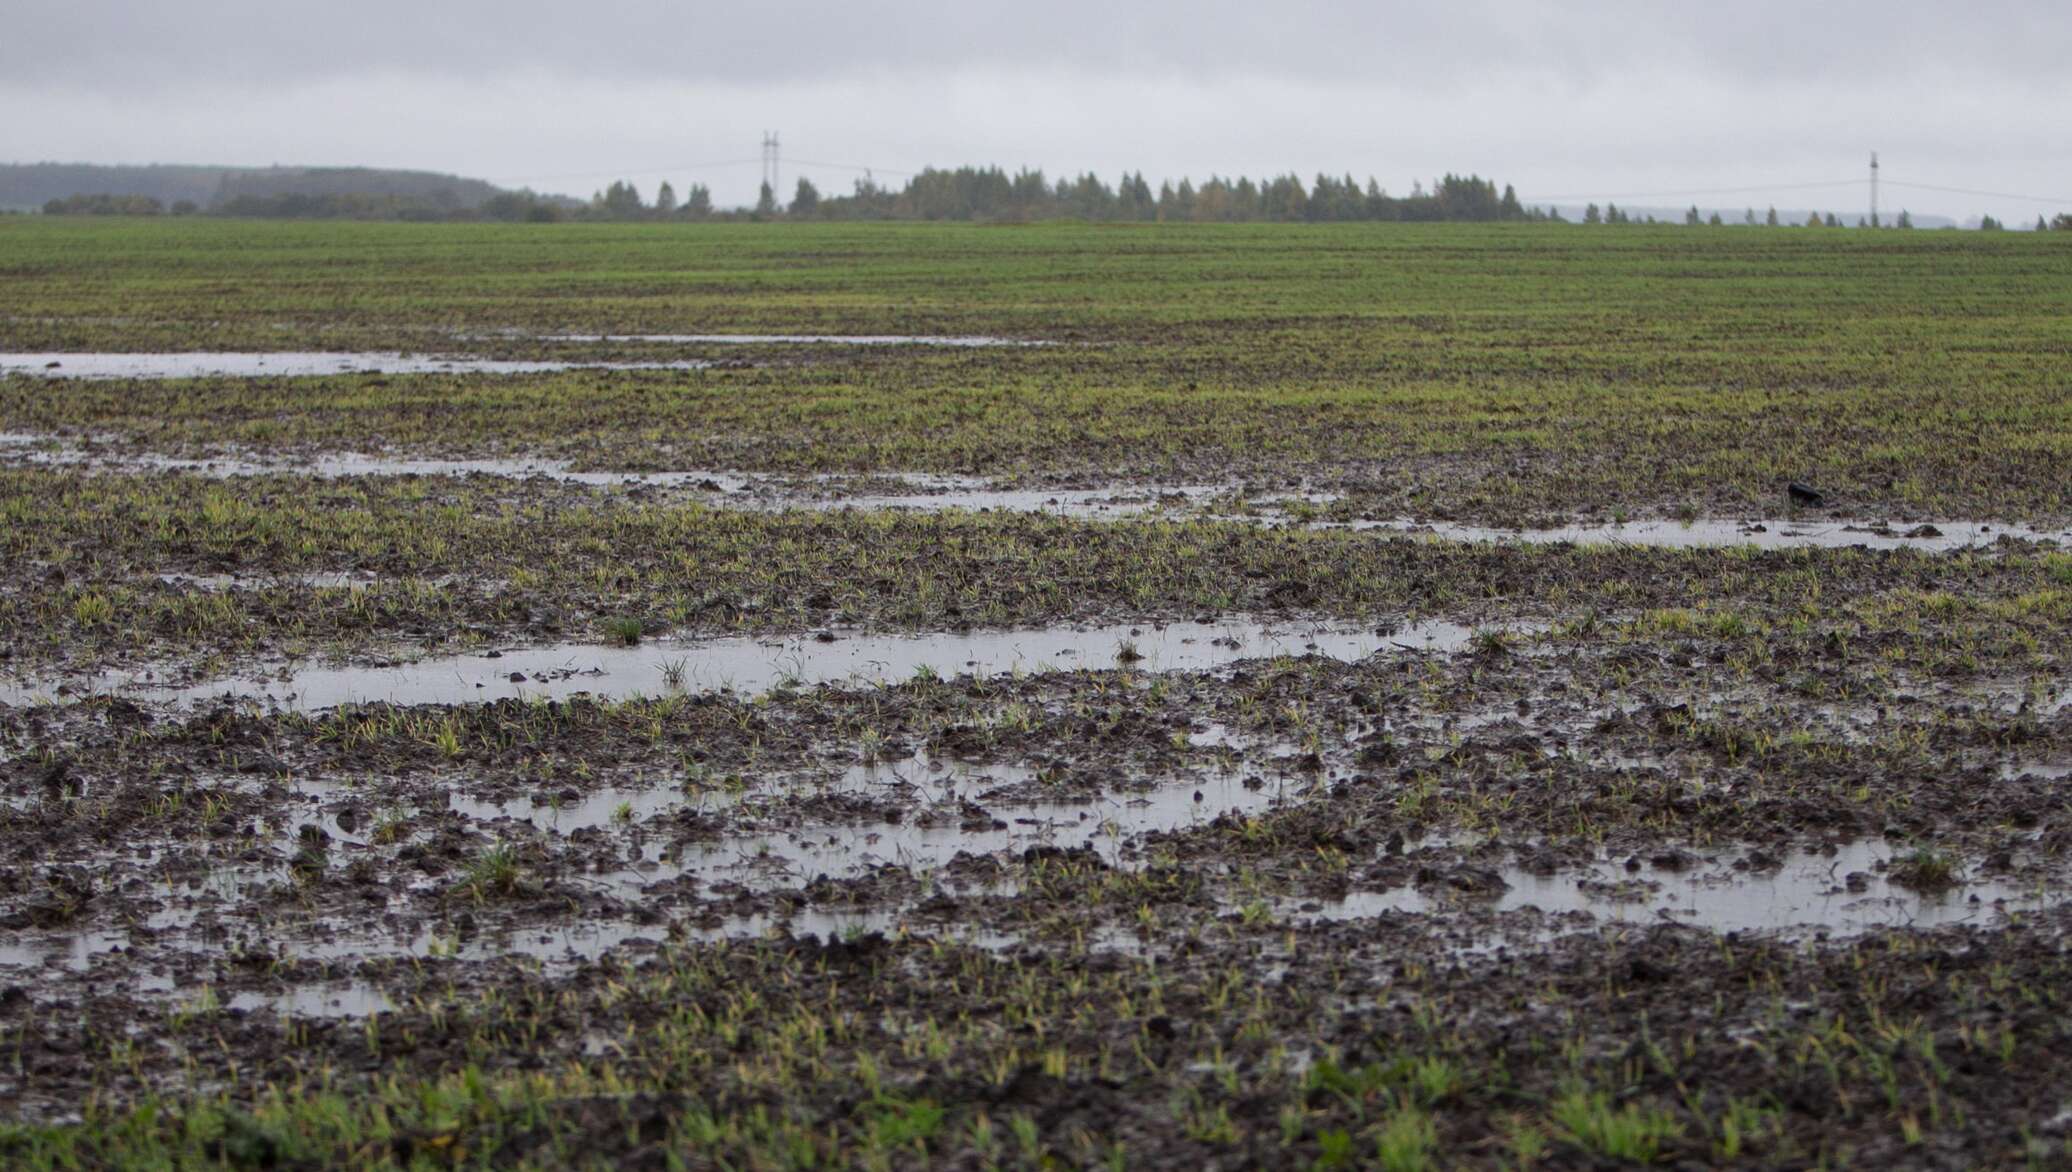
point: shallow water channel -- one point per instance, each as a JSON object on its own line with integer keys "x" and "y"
{"x": 292, "y": 364}
{"x": 931, "y": 492}
{"x": 953, "y": 341}
{"x": 751, "y": 665}
{"x": 1716, "y": 533}
{"x": 1841, "y": 889}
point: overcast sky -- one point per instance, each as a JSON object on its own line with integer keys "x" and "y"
{"x": 1593, "y": 98}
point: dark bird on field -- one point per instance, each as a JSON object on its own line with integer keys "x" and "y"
{"x": 1806, "y": 497}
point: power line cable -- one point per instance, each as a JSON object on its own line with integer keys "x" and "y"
{"x": 1970, "y": 191}
{"x": 623, "y": 173}
{"x": 857, "y": 167}
{"x": 1693, "y": 192}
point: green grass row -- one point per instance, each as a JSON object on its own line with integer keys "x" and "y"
{"x": 1653, "y": 1048}
{"x": 1493, "y": 372}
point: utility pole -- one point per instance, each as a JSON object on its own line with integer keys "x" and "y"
{"x": 1874, "y": 189}
{"x": 770, "y": 162}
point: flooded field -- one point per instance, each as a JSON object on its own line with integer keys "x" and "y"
{"x": 758, "y": 665}
{"x": 965, "y": 342}
{"x": 930, "y": 492}
{"x": 1303, "y": 723}
{"x": 1753, "y": 534}
{"x": 286, "y": 365}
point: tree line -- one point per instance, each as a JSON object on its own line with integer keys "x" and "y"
{"x": 965, "y": 194}
{"x": 992, "y": 194}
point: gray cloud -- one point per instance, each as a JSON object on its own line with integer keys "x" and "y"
{"x": 1620, "y": 96}
{"x": 149, "y": 43}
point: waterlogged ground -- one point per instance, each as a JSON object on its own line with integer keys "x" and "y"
{"x": 449, "y": 767}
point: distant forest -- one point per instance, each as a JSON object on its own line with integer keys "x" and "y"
{"x": 966, "y": 193}
{"x": 989, "y": 193}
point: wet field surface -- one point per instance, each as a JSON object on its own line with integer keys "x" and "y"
{"x": 756, "y": 665}
{"x": 595, "y": 746}
{"x": 353, "y": 845}
{"x": 288, "y": 365}
{"x": 929, "y": 492}
{"x": 351, "y": 853}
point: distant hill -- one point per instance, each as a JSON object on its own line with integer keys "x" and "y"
{"x": 30, "y": 185}
{"x": 25, "y": 186}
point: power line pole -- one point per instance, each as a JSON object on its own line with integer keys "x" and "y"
{"x": 1874, "y": 189}
{"x": 770, "y": 161}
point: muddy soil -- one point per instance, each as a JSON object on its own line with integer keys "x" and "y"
{"x": 1334, "y": 503}
{"x": 1239, "y": 904}
{"x": 504, "y": 813}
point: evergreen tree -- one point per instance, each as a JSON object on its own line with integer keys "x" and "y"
{"x": 1184, "y": 200}
{"x": 1691, "y": 217}
{"x": 806, "y": 200}
{"x": 1751, "y": 215}
{"x": 620, "y": 201}
{"x": 1715, "y": 221}
{"x": 1771, "y": 219}
{"x": 1590, "y": 215}
{"x": 697, "y": 202}
{"x": 765, "y": 203}
{"x": 1988, "y": 224}
{"x": 1905, "y": 220}
{"x": 1141, "y": 204}
{"x": 665, "y": 199}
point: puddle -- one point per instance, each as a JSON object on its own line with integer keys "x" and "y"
{"x": 1084, "y": 504}
{"x": 955, "y": 341}
{"x": 948, "y": 808}
{"x": 931, "y": 493}
{"x": 1110, "y": 825}
{"x": 1704, "y": 534}
{"x": 290, "y": 364}
{"x": 930, "y": 780}
{"x": 343, "y": 465}
{"x": 554, "y": 947}
{"x": 2041, "y": 772}
{"x": 936, "y": 780}
{"x": 752, "y": 666}
{"x": 73, "y": 951}
{"x": 342, "y": 999}
{"x": 606, "y": 807}
{"x": 849, "y": 924}
{"x": 1811, "y": 891}
{"x": 316, "y": 579}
